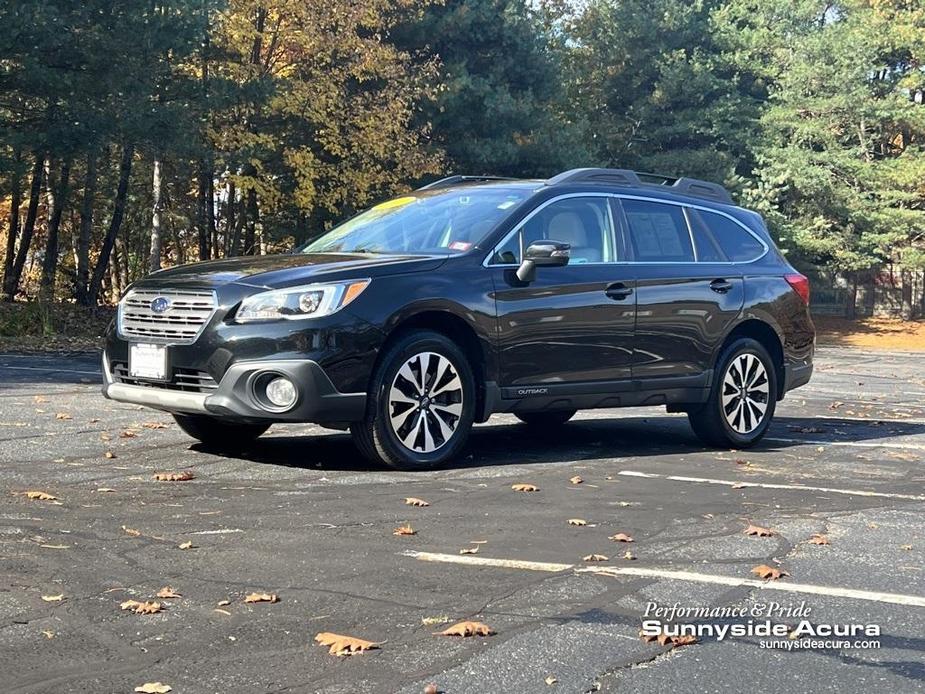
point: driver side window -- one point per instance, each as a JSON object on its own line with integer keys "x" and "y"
{"x": 582, "y": 222}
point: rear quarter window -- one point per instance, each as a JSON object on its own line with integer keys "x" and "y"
{"x": 715, "y": 234}
{"x": 658, "y": 232}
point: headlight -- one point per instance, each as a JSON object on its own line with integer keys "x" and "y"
{"x": 308, "y": 301}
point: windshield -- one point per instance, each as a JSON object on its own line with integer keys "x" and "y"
{"x": 423, "y": 222}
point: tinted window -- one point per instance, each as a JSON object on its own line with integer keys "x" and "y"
{"x": 718, "y": 231}
{"x": 658, "y": 232}
{"x": 583, "y": 223}
{"x": 708, "y": 248}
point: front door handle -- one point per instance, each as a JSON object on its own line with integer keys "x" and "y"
{"x": 720, "y": 286}
{"x": 618, "y": 291}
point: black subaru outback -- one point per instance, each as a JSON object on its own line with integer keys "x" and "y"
{"x": 476, "y": 295}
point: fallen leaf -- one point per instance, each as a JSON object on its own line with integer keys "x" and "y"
{"x": 39, "y": 496}
{"x": 768, "y": 572}
{"x": 469, "y": 550}
{"x": 621, "y": 537}
{"x": 154, "y": 688}
{"x": 168, "y": 592}
{"x": 145, "y": 607}
{"x": 468, "y": 629}
{"x": 343, "y": 645}
{"x": 525, "y": 488}
{"x": 595, "y": 557}
{"x": 757, "y": 531}
{"x": 431, "y": 689}
{"x": 154, "y": 425}
{"x": 63, "y": 416}
{"x": 629, "y": 556}
{"x": 666, "y": 640}
{"x": 262, "y": 597}
{"x": 404, "y": 530}
{"x": 431, "y": 621}
{"x": 550, "y": 680}
{"x": 819, "y": 539}
{"x": 184, "y": 476}
{"x": 131, "y": 531}
{"x": 412, "y": 501}
{"x": 738, "y": 485}
{"x": 576, "y": 480}
{"x": 53, "y": 598}
{"x": 103, "y": 490}
{"x": 185, "y": 545}
{"x": 109, "y": 454}
{"x": 222, "y": 603}
{"x": 48, "y": 633}
{"x": 906, "y": 548}
{"x": 577, "y": 521}
{"x": 128, "y": 434}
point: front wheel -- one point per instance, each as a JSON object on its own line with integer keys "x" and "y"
{"x": 422, "y": 404}
{"x": 218, "y": 433}
{"x": 742, "y": 398}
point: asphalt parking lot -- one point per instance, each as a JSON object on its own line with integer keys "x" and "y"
{"x": 300, "y": 515}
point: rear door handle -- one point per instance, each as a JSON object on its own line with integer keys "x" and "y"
{"x": 720, "y": 286}
{"x": 618, "y": 291}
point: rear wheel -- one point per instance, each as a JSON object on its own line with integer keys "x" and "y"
{"x": 742, "y": 398}
{"x": 218, "y": 433}
{"x": 545, "y": 419}
{"x": 423, "y": 404}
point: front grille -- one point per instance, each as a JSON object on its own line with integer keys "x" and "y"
{"x": 181, "y": 323}
{"x": 189, "y": 380}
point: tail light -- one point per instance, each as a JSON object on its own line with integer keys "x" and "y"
{"x": 800, "y": 284}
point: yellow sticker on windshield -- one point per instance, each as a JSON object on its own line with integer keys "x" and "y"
{"x": 396, "y": 202}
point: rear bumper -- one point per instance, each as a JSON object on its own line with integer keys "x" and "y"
{"x": 318, "y": 400}
{"x": 796, "y": 375}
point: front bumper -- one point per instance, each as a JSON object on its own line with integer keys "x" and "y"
{"x": 318, "y": 400}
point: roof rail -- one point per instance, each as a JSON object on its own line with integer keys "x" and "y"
{"x": 625, "y": 177}
{"x": 454, "y": 180}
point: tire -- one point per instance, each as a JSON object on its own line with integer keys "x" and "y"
{"x": 218, "y": 433}
{"x": 420, "y": 414}
{"x": 541, "y": 420}
{"x": 745, "y": 424}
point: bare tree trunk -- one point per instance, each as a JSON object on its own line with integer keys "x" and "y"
{"x": 50, "y": 262}
{"x": 15, "y": 203}
{"x": 231, "y": 228}
{"x": 11, "y": 281}
{"x": 906, "y": 278}
{"x": 851, "y": 310}
{"x": 86, "y": 227}
{"x": 118, "y": 212}
{"x": 250, "y": 233}
{"x": 206, "y": 216}
{"x": 154, "y": 258}
{"x": 115, "y": 275}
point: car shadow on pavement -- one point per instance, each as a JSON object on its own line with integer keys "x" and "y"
{"x": 582, "y": 439}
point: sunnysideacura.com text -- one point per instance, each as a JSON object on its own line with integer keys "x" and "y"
{"x": 776, "y": 626}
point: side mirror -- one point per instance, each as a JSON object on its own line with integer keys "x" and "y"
{"x": 542, "y": 254}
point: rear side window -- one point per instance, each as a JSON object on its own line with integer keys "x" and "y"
{"x": 716, "y": 234}
{"x": 658, "y": 232}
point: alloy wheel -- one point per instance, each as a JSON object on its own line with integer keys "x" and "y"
{"x": 425, "y": 402}
{"x": 746, "y": 393}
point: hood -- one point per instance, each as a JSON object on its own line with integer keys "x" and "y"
{"x": 279, "y": 271}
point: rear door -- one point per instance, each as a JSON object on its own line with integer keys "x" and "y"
{"x": 573, "y": 324}
{"x": 686, "y": 298}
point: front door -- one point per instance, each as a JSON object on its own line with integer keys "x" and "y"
{"x": 573, "y": 324}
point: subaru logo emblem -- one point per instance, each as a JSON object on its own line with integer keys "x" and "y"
{"x": 160, "y": 305}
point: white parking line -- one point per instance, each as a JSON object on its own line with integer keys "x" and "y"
{"x": 848, "y": 444}
{"x": 787, "y": 587}
{"x": 766, "y": 485}
{"x": 487, "y": 561}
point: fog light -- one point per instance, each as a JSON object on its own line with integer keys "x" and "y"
{"x": 281, "y": 392}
